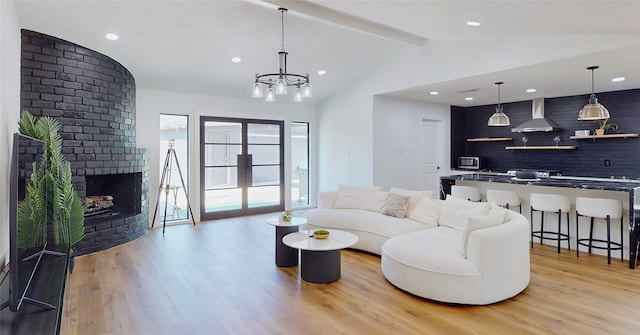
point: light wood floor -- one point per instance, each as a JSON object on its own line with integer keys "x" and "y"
{"x": 220, "y": 278}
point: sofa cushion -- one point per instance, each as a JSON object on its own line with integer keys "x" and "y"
{"x": 375, "y": 201}
{"x": 416, "y": 196}
{"x": 478, "y": 222}
{"x": 359, "y": 220}
{"x": 432, "y": 250}
{"x": 353, "y": 196}
{"x": 427, "y": 211}
{"x": 396, "y": 205}
{"x": 454, "y": 212}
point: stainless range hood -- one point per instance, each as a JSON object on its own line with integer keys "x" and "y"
{"x": 538, "y": 122}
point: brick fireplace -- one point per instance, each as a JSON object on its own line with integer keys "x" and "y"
{"x": 93, "y": 98}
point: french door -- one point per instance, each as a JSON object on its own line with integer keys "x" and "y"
{"x": 241, "y": 167}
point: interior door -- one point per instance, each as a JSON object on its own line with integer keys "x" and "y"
{"x": 431, "y": 149}
{"x": 242, "y": 167}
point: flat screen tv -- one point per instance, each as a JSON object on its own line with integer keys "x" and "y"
{"x": 24, "y": 257}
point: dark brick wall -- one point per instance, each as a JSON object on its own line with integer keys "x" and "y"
{"x": 93, "y": 98}
{"x": 587, "y": 160}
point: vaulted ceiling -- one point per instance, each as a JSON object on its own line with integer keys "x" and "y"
{"x": 187, "y": 46}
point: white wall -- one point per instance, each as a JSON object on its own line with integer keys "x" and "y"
{"x": 150, "y": 104}
{"x": 9, "y": 110}
{"x": 396, "y": 140}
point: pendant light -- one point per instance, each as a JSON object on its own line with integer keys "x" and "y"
{"x": 499, "y": 118}
{"x": 593, "y": 110}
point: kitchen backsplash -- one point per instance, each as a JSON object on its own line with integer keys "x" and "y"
{"x": 588, "y": 159}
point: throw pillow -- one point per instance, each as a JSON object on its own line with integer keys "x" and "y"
{"x": 375, "y": 201}
{"x": 427, "y": 211}
{"x": 454, "y": 212}
{"x": 416, "y": 196}
{"x": 353, "y": 196}
{"x": 479, "y": 222}
{"x": 396, "y": 205}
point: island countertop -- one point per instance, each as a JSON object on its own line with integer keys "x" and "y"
{"x": 629, "y": 186}
{"x": 608, "y": 184}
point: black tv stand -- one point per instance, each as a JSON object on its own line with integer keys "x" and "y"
{"x": 39, "y": 314}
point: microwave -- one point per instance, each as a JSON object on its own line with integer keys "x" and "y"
{"x": 471, "y": 163}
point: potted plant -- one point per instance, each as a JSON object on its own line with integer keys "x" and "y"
{"x": 602, "y": 125}
{"x": 51, "y": 185}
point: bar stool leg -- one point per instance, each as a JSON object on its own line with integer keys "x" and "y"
{"x": 591, "y": 235}
{"x": 568, "y": 234}
{"x": 531, "y": 223}
{"x": 577, "y": 235}
{"x": 621, "y": 239}
{"x": 609, "y": 239}
{"x": 541, "y": 225}
{"x": 559, "y": 228}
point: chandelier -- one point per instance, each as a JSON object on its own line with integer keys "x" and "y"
{"x": 276, "y": 83}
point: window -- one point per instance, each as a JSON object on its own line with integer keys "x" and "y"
{"x": 299, "y": 164}
{"x": 174, "y": 167}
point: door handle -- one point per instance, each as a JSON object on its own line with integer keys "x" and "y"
{"x": 249, "y": 169}
{"x": 240, "y": 171}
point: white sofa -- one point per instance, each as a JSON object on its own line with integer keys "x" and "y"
{"x": 452, "y": 251}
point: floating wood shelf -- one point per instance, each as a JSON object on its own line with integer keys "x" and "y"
{"x": 543, "y": 147}
{"x": 603, "y": 136}
{"x": 489, "y": 139}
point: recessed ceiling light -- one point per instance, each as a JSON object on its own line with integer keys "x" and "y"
{"x": 468, "y": 98}
{"x": 617, "y": 79}
{"x": 111, "y": 36}
{"x": 321, "y": 72}
{"x": 530, "y": 90}
{"x": 473, "y": 23}
{"x": 236, "y": 60}
{"x": 433, "y": 92}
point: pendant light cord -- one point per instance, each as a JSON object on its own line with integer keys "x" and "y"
{"x": 282, "y": 10}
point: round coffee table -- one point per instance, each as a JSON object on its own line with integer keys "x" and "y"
{"x": 286, "y": 256}
{"x": 320, "y": 261}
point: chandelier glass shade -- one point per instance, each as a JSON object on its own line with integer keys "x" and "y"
{"x": 593, "y": 110}
{"x": 498, "y": 118}
{"x": 271, "y": 84}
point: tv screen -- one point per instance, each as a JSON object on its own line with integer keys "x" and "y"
{"x": 25, "y": 247}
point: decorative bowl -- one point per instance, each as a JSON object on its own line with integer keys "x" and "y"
{"x": 321, "y": 234}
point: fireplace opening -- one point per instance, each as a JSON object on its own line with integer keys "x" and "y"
{"x": 113, "y": 196}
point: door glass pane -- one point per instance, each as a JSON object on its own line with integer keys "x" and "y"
{"x": 221, "y": 154}
{"x": 222, "y": 200}
{"x": 223, "y": 132}
{"x": 222, "y": 145}
{"x": 265, "y": 154}
{"x": 263, "y": 133}
{"x": 264, "y": 196}
{"x": 174, "y": 129}
{"x": 265, "y": 175}
{"x": 221, "y": 177}
{"x": 299, "y": 164}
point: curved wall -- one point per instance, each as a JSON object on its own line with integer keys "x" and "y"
{"x": 93, "y": 97}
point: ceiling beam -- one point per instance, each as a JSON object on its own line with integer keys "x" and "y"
{"x": 311, "y": 10}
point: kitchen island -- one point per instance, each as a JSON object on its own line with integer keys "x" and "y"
{"x": 622, "y": 189}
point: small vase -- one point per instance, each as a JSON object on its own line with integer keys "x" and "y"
{"x": 599, "y": 132}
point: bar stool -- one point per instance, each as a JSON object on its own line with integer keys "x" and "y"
{"x": 465, "y": 192}
{"x": 507, "y": 199}
{"x": 554, "y": 203}
{"x": 606, "y": 209}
